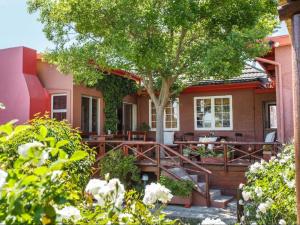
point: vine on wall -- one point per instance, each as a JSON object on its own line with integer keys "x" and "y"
{"x": 114, "y": 89}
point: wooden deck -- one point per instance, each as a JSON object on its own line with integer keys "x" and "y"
{"x": 217, "y": 176}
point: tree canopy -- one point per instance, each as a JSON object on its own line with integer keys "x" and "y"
{"x": 160, "y": 40}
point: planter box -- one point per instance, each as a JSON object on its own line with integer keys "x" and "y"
{"x": 179, "y": 200}
{"x": 212, "y": 159}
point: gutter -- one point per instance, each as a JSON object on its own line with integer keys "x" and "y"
{"x": 279, "y": 82}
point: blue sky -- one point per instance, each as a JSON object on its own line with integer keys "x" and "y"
{"x": 19, "y": 28}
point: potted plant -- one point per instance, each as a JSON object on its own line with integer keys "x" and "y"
{"x": 181, "y": 190}
{"x": 210, "y": 156}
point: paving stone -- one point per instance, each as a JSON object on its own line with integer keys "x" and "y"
{"x": 196, "y": 214}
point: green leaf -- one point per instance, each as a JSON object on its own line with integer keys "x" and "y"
{"x": 54, "y": 151}
{"x": 62, "y": 143}
{"x": 62, "y": 154}
{"x": 78, "y": 155}
{"x": 43, "y": 131}
{"x": 30, "y": 179}
{"x": 41, "y": 170}
{"x": 51, "y": 140}
{"x": 57, "y": 165}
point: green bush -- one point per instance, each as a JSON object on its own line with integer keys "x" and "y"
{"x": 57, "y": 131}
{"x": 120, "y": 166}
{"x": 269, "y": 196}
{"x": 37, "y": 184}
{"x": 181, "y": 188}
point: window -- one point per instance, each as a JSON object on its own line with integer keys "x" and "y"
{"x": 271, "y": 116}
{"x": 89, "y": 114}
{"x": 171, "y": 115}
{"x": 213, "y": 113}
{"x": 59, "y": 106}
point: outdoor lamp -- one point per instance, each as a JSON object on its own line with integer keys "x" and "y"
{"x": 145, "y": 178}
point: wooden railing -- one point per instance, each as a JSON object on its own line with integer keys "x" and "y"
{"x": 160, "y": 156}
{"x": 233, "y": 153}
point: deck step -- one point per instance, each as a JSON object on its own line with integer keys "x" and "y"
{"x": 217, "y": 199}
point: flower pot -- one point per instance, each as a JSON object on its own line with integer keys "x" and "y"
{"x": 180, "y": 200}
{"x": 212, "y": 159}
{"x": 267, "y": 155}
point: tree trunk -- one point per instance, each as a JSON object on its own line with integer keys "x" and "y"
{"x": 160, "y": 124}
{"x": 296, "y": 104}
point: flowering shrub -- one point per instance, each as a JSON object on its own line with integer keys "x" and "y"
{"x": 59, "y": 132}
{"x": 38, "y": 188}
{"x": 269, "y": 195}
{"x": 112, "y": 205}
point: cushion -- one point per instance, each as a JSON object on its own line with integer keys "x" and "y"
{"x": 208, "y": 139}
{"x": 270, "y": 137}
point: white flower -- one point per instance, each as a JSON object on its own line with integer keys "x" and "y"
{"x": 156, "y": 192}
{"x": 258, "y": 191}
{"x": 255, "y": 167}
{"x": 242, "y": 218}
{"x": 282, "y": 222}
{"x": 2, "y": 106}
{"x": 55, "y": 175}
{"x": 241, "y": 186}
{"x": 246, "y": 195}
{"x": 262, "y": 207}
{"x": 44, "y": 157}
{"x": 253, "y": 223}
{"x": 290, "y": 184}
{"x": 241, "y": 202}
{"x": 106, "y": 192}
{"x": 94, "y": 186}
{"x": 209, "y": 221}
{"x": 23, "y": 149}
{"x": 69, "y": 212}
{"x": 3, "y": 176}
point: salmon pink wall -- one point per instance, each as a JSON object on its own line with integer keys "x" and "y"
{"x": 57, "y": 83}
{"x": 78, "y": 92}
{"x": 283, "y": 55}
{"x": 20, "y": 88}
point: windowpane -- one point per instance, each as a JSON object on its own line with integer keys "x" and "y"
{"x": 59, "y": 116}
{"x": 171, "y": 116}
{"x": 85, "y": 112}
{"x": 94, "y": 115}
{"x": 213, "y": 112}
{"x": 59, "y": 102}
{"x": 204, "y": 113}
{"x": 273, "y": 116}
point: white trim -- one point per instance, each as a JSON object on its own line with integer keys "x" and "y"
{"x": 213, "y": 113}
{"x": 59, "y": 110}
{"x": 165, "y": 129}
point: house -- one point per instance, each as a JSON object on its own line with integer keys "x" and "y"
{"x": 244, "y": 108}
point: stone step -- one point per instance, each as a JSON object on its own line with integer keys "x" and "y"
{"x": 221, "y": 201}
{"x": 214, "y": 193}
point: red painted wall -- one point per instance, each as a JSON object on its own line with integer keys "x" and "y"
{"x": 20, "y": 89}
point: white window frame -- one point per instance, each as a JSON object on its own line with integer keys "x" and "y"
{"x": 212, "y": 98}
{"x": 165, "y": 129}
{"x": 59, "y": 110}
{"x": 91, "y": 113}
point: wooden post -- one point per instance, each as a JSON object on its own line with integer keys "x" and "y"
{"x": 291, "y": 10}
{"x": 158, "y": 161}
{"x": 296, "y": 103}
{"x": 225, "y": 157}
